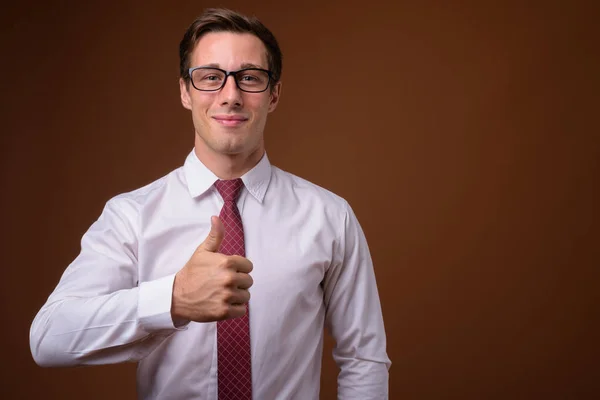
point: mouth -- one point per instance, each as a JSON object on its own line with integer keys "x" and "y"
{"x": 230, "y": 120}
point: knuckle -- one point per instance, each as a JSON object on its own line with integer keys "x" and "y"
{"x": 222, "y": 313}
{"x": 227, "y": 263}
{"x": 229, "y": 279}
{"x": 236, "y": 312}
{"x": 228, "y": 296}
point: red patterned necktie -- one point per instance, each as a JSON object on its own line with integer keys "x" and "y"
{"x": 233, "y": 335}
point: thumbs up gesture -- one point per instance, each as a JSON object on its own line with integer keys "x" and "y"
{"x": 211, "y": 286}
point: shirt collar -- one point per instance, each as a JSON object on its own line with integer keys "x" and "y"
{"x": 199, "y": 178}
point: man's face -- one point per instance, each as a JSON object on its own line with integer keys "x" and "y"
{"x": 229, "y": 121}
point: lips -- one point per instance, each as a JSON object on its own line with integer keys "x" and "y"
{"x": 230, "y": 120}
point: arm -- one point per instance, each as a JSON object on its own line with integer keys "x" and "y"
{"x": 98, "y": 314}
{"x": 354, "y": 318}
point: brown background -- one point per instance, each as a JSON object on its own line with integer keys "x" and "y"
{"x": 463, "y": 134}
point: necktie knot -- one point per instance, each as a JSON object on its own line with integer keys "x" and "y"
{"x": 229, "y": 189}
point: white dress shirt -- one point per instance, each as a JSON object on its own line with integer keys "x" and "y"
{"x": 312, "y": 268}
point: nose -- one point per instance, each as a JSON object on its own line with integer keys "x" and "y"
{"x": 230, "y": 94}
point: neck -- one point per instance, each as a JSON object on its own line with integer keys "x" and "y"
{"x": 228, "y": 166}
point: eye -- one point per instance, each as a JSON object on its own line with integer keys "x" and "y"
{"x": 211, "y": 77}
{"x": 249, "y": 78}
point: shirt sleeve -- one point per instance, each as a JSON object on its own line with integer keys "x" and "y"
{"x": 354, "y": 317}
{"x": 98, "y": 314}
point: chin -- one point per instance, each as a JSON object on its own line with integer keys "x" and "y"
{"x": 232, "y": 147}
{"x": 230, "y": 142}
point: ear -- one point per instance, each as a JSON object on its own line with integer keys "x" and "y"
{"x": 274, "y": 96}
{"x": 186, "y": 101}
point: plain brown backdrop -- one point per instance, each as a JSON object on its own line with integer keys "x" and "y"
{"x": 464, "y": 135}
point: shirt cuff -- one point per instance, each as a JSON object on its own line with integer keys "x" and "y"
{"x": 154, "y": 305}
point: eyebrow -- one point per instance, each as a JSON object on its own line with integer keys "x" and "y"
{"x": 243, "y": 66}
{"x": 250, "y": 65}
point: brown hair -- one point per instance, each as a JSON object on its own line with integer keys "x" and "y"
{"x": 224, "y": 20}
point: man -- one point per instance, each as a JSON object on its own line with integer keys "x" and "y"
{"x": 240, "y": 314}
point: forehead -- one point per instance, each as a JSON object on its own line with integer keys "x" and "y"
{"x": 229, "y": 50}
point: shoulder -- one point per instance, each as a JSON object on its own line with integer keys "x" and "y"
{"x": 297, "y": 189}
{"x": 132, "y": 202}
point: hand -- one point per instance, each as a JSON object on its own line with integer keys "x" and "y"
{"x": 211, "y": 286}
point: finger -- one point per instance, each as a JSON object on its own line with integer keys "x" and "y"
{"x": 240, "y": 296}
{"x": 215, "y": 236}
{"x": 243, "y": 280}
{"x": 242, "y": 264}
{"x": 236, "y": 311}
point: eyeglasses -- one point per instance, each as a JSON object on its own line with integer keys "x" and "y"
{"x": 209, "y": 79}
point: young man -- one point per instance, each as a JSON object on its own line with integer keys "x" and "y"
{"x": 219, "y": 277}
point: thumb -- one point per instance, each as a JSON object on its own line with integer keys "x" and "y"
{"x": 215, "y": 236}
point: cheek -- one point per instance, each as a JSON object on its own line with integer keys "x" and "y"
{"x": 202, "y": 102}
{"x": 260, "y": 107}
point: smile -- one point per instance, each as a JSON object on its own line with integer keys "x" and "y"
{"x": 230, "y": 120}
